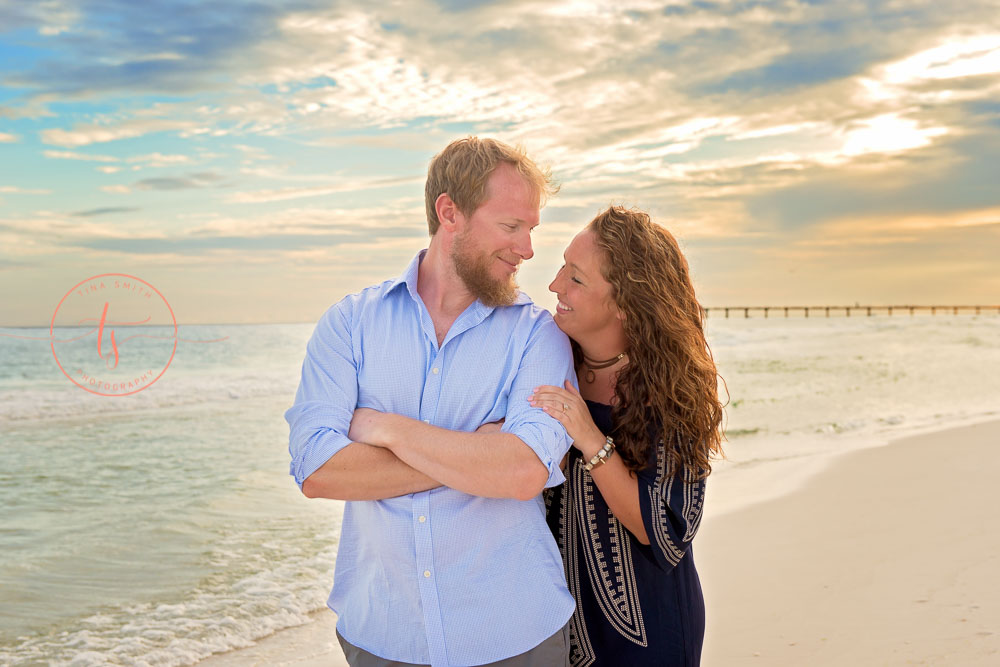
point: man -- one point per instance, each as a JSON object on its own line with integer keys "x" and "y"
{"x": 445, "y": 557}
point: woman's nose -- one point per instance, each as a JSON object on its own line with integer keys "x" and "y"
{"x": 553, "y": 286}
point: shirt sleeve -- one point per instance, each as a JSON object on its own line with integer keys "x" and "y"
{"x": 671, "y": 507}
{"x": 320, "y": 418}
{"x": 547, "y": 359}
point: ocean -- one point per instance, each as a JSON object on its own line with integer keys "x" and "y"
{"x": 160, "y": 527}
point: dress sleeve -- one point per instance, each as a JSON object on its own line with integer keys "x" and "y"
{"x": 671, "y": 507}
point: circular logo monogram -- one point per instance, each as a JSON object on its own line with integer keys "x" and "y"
{"x": 113, "y": 334}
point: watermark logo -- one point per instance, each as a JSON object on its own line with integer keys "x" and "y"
{"x": 97, "y": 365}
{"x": 114, "y": 334}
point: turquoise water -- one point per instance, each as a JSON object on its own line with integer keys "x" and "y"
{"x": 157, "y": 528}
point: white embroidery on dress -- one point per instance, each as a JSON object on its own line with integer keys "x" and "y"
{"x": 659, "y": 497}
{"x": 581, "y": 650}
{"x": 616, "y": 589}
{"x": 618, "y": 595}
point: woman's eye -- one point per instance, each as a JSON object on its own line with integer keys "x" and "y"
{"x": 576, "y": 281}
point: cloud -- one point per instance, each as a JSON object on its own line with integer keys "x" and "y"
{"x": 270, "y": 243}
{"x": 282, "y": 194}
{"x": 955, "y": 175}
{"x": 69, "y": 155}
{"x": 888, "y": 230}
{"x": 112, "y": 46}
{"x": 303, "y": 230}
{"x": 624, "y": 106}
{"x": 600, "y": 76}
{"x": 103, "y": 211}
{"x": 888, "y": 133}
{"x": 83, "y": 135}
{"x": 149, "y": 160}
{"x": 48, "y": 18}
{"x": 14, "y": 190}
{"x": 7, "y": 264}
{"x": 743, "y": 126}
{"x": 160, "y": 160}
{"x": 795, "y": 70}
{"x": 252, "y": 153}
{"x": 199, "y": 180}
{"x": 34, "y": 108}
{"x": 6, "y": 138}
{"x": 975, "y": 55}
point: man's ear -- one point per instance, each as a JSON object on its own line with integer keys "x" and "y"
{"x": 447, "y": 212}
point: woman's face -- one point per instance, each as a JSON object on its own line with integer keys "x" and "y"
{"x": 586, "y": 308}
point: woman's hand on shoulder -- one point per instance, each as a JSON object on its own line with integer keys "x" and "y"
{"x": 566, "y": 405}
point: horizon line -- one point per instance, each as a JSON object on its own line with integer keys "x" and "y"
{"x": 855, "y": 306}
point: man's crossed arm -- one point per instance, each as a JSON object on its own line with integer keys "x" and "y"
{"x": 393, "y": 455}
{"x": 368, "y": 455}
{"x": 363, "y": 472}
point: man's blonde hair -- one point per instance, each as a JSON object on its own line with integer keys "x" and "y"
{"x": 463, "y": 169}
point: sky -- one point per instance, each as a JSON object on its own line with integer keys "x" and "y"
{"x": 256, "y": 161}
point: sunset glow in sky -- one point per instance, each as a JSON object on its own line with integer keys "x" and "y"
{"x": 257, "y": 161}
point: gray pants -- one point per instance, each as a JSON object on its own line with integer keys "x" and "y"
{"x": 553, "y": 652}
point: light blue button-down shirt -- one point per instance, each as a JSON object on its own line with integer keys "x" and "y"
{"x": 439, "y": 577}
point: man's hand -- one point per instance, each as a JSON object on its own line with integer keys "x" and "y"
{"x": 486, "y": 463}
{"x": 491, "y": 427}
{"x": 367, "y": 427}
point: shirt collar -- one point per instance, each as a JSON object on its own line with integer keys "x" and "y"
{"x": 409, "y": 278}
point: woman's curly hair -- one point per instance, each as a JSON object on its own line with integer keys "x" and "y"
{"x": 670, "y": 376}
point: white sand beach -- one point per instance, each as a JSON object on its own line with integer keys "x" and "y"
{"x": 888, "y": 557}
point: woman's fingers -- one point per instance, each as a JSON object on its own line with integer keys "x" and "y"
{"x": 561, "y": 410}
{"x": 566, "y": 406}
{"x": 548, "y": 392}
{"x": 551, "y": 403}
{"x": 547, "y": 404}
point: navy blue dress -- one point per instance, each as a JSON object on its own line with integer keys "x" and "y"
{"x": 636, "y": 604}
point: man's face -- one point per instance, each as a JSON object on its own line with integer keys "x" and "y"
{"x": 493, "y": 241}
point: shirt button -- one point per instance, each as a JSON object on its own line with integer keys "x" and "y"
{"x": 435, "y": 371}
{"x": 427, "y": 573}
{"x": 421, "y": 518}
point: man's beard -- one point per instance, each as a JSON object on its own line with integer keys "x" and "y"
{"x": 474, "y": 270}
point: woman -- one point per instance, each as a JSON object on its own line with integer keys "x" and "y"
{"x": 645, "y": 423}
